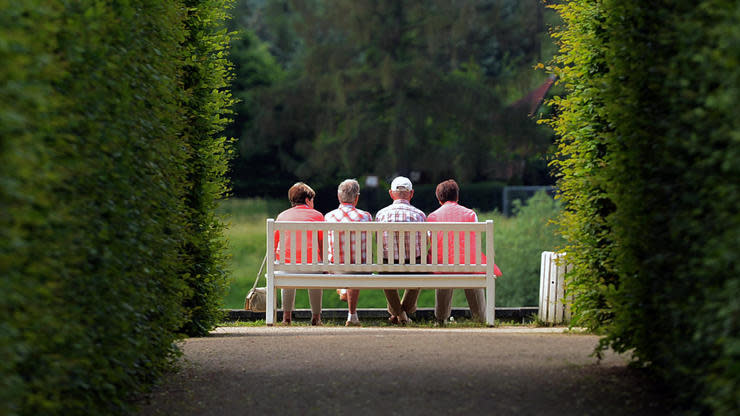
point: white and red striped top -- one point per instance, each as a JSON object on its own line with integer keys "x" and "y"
{"x": 348, "y": 213}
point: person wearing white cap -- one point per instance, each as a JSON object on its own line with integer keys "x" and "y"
{"x": 401, "y": 210}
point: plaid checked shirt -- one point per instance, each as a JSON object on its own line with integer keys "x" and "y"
{"x": 348, "y": 213}
{"x": 401, "y": 210}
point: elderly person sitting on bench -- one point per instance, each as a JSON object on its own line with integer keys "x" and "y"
{"x": 301, "y": 200}
{"x": 401, "y": 210}
{"x": 448, "y": 193}
{"x": 348, "y": 194}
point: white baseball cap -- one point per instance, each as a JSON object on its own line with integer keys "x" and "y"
{"x": 401, "y": 183}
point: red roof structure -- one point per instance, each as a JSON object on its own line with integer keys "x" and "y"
{"x": 534, "y": 98}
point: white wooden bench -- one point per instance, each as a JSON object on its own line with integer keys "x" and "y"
{"x": 319, "y": 273}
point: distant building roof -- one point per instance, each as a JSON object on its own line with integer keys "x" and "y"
{"x": 534, "y": 98}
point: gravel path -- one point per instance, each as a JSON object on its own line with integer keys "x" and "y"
{"x": 389, "y": 371}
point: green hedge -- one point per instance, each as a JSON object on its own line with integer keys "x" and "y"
{"x": 649, "y": 172}
{"x": 207, "y": 103}
{"x": 96, "y": 181}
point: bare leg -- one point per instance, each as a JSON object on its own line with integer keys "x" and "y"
{"x": 353, "y": 296}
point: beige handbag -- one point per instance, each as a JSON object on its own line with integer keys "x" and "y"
{"x": 257, "y": 297}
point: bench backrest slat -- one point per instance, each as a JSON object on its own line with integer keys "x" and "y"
{"x": 434, "y": 247}
{"x": 400, "y": 241}
{"x": 468, "y": 242}
{"x": 479, "y": 252}
{"x": 325, "y": 239}
{"x": 314, "y": 243}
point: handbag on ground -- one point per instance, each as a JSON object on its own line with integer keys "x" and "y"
{"x": 256, "y": 299}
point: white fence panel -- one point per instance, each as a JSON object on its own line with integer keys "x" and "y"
{"x": 555, "y": 302}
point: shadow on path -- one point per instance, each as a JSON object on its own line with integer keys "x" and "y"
{"x": 318, "y": 371}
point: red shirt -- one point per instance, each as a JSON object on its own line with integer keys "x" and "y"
{"x": 299, "y": 213}
{"x": 454, "y": 212}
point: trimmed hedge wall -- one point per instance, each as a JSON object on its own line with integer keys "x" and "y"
{"x": 649, "y": 169}
{"x": 99, "y": 191}
{"x": 207, "y": 103}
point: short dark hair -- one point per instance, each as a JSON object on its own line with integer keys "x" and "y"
{"x": 298, "y": 193}
{"x": 448, "y": 191}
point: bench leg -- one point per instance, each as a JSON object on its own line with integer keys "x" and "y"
{"x": 270, "y": 310}
{"x": 490, "y": 301}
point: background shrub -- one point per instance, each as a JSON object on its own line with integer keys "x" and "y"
{"x": 95, "y": 174}
{"x": 649, "y": 172}
{"x": 520, "y": 241}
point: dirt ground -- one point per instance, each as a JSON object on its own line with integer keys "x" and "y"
{"x": 402, "y": 371}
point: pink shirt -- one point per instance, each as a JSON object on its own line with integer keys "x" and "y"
{"x": 299, "y": 213}
{"x": 453, "y": 212}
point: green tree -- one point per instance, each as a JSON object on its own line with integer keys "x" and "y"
{"x": 386, "y": 87}
{"x": 255, "y": 72}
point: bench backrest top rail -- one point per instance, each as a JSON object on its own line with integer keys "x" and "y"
{"x": 380, "y": 226}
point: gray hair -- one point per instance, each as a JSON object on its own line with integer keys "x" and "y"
{"x": 348, "y": 190}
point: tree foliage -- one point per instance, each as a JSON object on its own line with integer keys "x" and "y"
{"x": 382, "y": 87}
{"x": 102, "y": 150}
{"x": 649, "y": 173}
